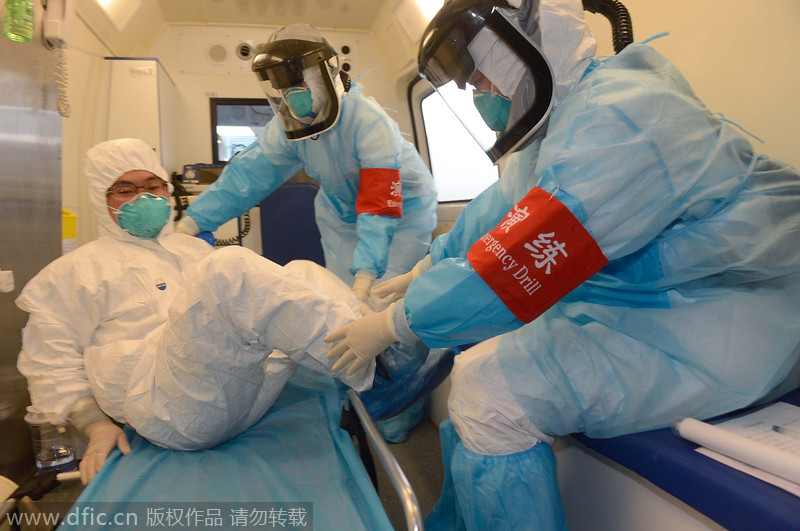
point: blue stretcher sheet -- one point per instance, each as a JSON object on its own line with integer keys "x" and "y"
{"x": 735, "y": 500}
{"x": 295, "y": 469}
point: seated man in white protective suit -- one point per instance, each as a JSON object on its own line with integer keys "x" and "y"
{"x": 187, "y": 345}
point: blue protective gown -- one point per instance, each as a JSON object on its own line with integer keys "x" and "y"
{"x": 695, "y": 313}
{"x": 363, "y": 137}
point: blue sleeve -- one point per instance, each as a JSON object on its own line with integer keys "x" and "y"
{"x": 375, "y": 235}
{"x": 250, "y": 177}
{"x": 378, "y": 145}
{"x": 451, "y": 305}
{"x": 481, "y": 215}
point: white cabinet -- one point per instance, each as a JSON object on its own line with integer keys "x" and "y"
{"x": 142, "y": 104}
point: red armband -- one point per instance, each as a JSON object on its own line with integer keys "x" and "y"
{"x": 380, "y": 192}
{"x": 538, "y": 254}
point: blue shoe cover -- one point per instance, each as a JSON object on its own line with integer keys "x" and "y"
{"x": 445, "y": 515}
{"x": 517, "y": 491}
{"x": 406, "y": 372}
{"x": 395, "y": 429}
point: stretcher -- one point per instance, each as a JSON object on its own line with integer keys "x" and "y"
{"x": 295, "y": 469}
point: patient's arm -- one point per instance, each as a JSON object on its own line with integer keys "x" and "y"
{"x": 104, "y": 435}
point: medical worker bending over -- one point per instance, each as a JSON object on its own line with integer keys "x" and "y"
{"x": 637, "y": 262}
{"x": 376, "y": 208}
{"x": 187, "y": 345}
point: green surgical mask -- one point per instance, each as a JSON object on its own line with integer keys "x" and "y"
{"x": 494, "y": 108}
{"x": 144, "y": 216}
{"x": 299, "y": 101}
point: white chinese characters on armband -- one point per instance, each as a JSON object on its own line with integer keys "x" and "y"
{"x": 536, "y": 255}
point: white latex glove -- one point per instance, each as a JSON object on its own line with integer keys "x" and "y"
{"x": 395, "y": 288}
{"x": 187, "y": 226}
{"x": 104, "y": 436}
{"x": 362, "y": 340}
{"x": 362, "y": 285}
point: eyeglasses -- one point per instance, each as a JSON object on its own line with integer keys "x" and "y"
{"x": 154, "y": 185}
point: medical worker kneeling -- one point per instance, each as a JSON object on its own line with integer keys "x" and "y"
{"x": 145, "y": 327}
{"x": 637, "y": 262}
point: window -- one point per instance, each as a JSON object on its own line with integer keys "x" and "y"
{"x": 235, "y": 124}
{"x": 460, "y": 167}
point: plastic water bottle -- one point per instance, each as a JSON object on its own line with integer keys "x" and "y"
{"x": 52, "y": 445}
{"x": 18, "y": 20}
{"x": 60, "y": 458}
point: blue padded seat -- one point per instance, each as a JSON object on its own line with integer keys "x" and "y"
{"x": 288, "y": 228}
{"x": 735, "y": 500}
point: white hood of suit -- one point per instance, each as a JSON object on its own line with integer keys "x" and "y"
{"x": 108, "y": 161}
{"x": 560, "y": 30}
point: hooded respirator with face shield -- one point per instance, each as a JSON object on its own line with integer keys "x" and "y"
{"x": 474, "y": 51}
{"x": 299, "y": 72}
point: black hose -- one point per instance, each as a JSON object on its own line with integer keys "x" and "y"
{"x": 617, "y": 14}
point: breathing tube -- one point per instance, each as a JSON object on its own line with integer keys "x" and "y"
{"x": 617, "y": 14}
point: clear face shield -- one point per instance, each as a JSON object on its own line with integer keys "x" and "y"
{"x": 302, "y": 90}
{"x": 493, "y": 78}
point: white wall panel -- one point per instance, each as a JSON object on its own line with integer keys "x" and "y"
{"x": 140, "y": 105}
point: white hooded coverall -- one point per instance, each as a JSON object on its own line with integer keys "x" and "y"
{"x": 187, "y": 345}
